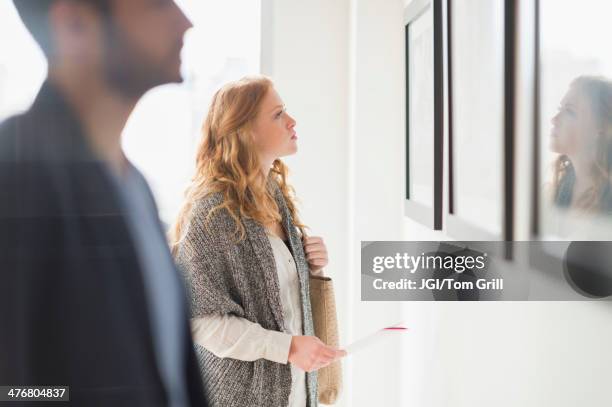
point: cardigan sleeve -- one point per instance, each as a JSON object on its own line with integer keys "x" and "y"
{"x": 203, "y": 254}
{"x": 228, "y": 336}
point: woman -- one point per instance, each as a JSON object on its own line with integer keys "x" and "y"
{"x": 247, "y": 258}
{"x": 582, "y": 135}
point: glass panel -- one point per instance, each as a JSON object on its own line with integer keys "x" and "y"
{"x": 478, "y": 111}
{"x": 421, "y": 109}
{"x": 576, "y": 120}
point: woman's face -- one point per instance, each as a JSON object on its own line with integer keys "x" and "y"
{"x": 273, "y": 129}
{"x": 574, "y": 131}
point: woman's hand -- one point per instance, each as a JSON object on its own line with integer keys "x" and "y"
{"x": 316, "y": 253}
{"x": 310, "y": 354}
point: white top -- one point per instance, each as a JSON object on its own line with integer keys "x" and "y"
{"x": 229, "y": 336}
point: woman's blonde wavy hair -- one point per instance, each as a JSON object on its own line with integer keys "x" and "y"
{"x": 227, "y": 163}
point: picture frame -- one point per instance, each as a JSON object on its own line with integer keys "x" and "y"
{"x": 423, "y": 24}
{"x": 460, "y": 226}
{"x": 597, "y": 229}
{"x": 539, "y": 258}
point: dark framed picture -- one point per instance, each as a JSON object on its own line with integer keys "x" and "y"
{"x": 424, "y": 111}
{"x": 480, "y": 56}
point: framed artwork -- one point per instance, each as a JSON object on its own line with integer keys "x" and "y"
{"x": 481, "y": 88}
{"x": 424, "y": 111}
{"x": 571, "y": 191}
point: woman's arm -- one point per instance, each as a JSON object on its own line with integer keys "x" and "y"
{"x": 229, "y": 336}
{"x": 203, "y": 255}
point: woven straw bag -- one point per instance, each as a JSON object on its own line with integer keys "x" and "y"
{"x": 325, "y": 320}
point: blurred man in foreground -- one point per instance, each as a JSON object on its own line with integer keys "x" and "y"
{"x": 89, "y": 296}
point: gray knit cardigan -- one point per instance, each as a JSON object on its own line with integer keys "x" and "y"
{"x": 240, "y": 278}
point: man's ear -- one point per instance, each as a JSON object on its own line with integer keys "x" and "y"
{"x": 75, "y": 28}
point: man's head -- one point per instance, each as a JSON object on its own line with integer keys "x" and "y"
{"x": 134, "y": 45}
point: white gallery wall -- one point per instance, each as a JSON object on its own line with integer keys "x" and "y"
{"x": 347, "y": 161}
{"x": 376, "y": 204}
{"x": 305, "y": 52}
{"x": 339, "y": 65}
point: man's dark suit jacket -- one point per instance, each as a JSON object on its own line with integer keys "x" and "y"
{"x": 72, "y": 302}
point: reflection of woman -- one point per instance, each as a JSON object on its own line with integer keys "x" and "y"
{"x": 242, "y": 247}
{"x": 582, "y": 135}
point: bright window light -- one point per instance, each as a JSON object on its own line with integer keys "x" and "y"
{"x": 163, "y": 131}
{"x": 162, "y": 134}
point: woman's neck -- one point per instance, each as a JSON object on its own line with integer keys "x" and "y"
{"x": 583, "y": 178}
{"x": 265, "y": 169}
{"x": 266, "y": 165}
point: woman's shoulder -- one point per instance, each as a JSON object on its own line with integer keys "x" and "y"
{"x": 208, "y": 225}
{"x": 208, "y": 202}
{"x": 209, "y": 210}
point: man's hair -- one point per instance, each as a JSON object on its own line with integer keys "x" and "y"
{"x": 35, "y": 16}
